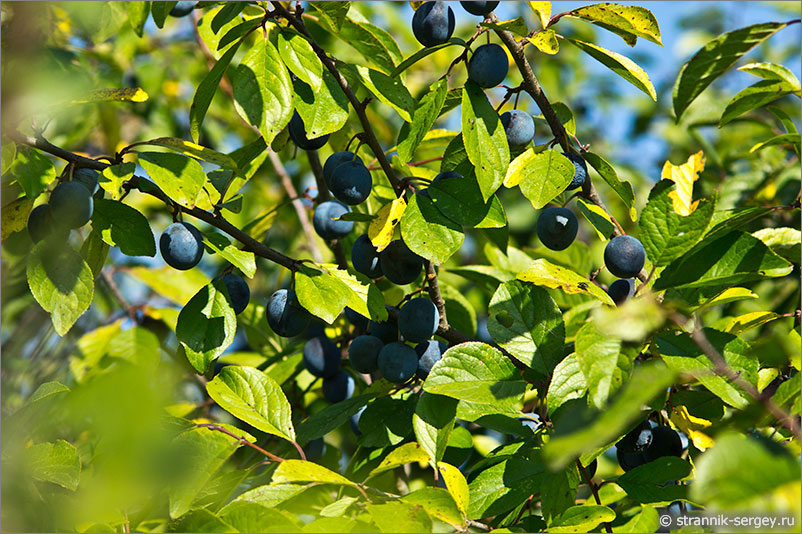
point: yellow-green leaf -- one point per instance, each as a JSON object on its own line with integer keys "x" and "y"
{"x": 114, "y": 95}
{"x": 621, "y": 65}
{"x": 546, "y": 42}
{"x": 684, "y": 176}
{"x": 380, "y": 230}
{"x": 542, "y": 11}
{"x": 544, "y": 273}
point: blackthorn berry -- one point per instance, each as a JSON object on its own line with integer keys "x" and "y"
{"x": 429, "y": 353}
{"x": 418, "y": 320}
{"x": 285, "y": 315}
{"x": 580, "y": 170}
{"x": 433, "y": 23}
{"x": 181, "y": 245}
{"x": 339, "y": 387}
{"x": 364, "y": 353}
{"x": 665, "y": 442}
{"x": 479, "y": 8}
{"x": 557, "y": 228}
{"x": 297, "y": 132}
{"x": 325, "y": 226}
{"x": 399, "y": 264}
{"x": 238, "y": 291}
{"x": 621, "y": 289}
{"x": 488, "y": 65}
{"x": 624, "y": 256}
{"x": 519, "y": 127}
{"x": 71, "y": 204}
{"x": 397, "y": 362}
{"x": 365, "y": 257}
{"x": 334, "y": 161}
{"x": 87, "y": 177}
{"x": 321, "y": 357}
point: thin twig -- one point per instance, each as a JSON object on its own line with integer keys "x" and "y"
{"x": 108, "y": 277}
{"x": 593, "y": 489}
{"x": 434, "y": 293}
{"x": 241, "y": 440}
{"x": 317, "y": 171}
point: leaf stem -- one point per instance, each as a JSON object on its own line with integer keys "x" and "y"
{"x": 240, "y": 439}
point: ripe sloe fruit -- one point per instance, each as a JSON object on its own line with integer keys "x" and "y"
{"x": 429, "y": 353}
{"x": 630, "y": 460}
{"x": 356, "y": 319}
{"x": 433, "y": 23}
{"x": 624, "y": 256}
{"x": 479, "y": 8}
{"x": 637, "y": 439}
{"x": 238, "y": 291}
{"x": 365, "y": 257}
{"x": 285, "y": 315}
{"x": 182, "y": 9}
{"x": 297, "y": 132}
{"x": 590, "y": 469}
{"x": 580, "y": 170}
{"x": 556, "y": 228}
{"x": 321, "y": 357}
{"x": 41, "y": 224}
{"x": 351, "y": 182}
{"x": 334, "y": 161}
{"x": 87, "y": 177}
{"x": 325, "y": 226}
{"x": 71, "y": 204}
{"x": 181, "y": 245}
{"x": 399, "y": 264}
{"x": 397, "y": 362}
{"x": 519, "y": 127}
{"x": 665, "y": 442}
{"x": 488, "y": 65}
{"x": 363, "y": 353}
{"x": 387, "y": 330}
{"x": 315, "y": 449}
{"x": 418, "y": 320}
{"x": 621, "y": 289}
{"x": 339, "y": 387}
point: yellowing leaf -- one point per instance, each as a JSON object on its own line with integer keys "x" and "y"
{"x": 15, "y": 216}
{"x": 684, "y": 176}
{"x": 546, "y": 42}
{"x": 691, "y": 425}
{"x": 415, "y": 5}
{"x": 542, "y": 11}
{"x": 546, "y": 274}
{"x": 114, "y": 95}
{"x": 380, "y": 230}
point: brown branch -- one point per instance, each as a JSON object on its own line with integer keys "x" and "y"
{"x": 434, "y": 294}
{"x": 535, "y": 90}
{"x": 241, "y": 440}
{"x": 721, "y": 368}
{"x": 317, "y": 171}
{"x": 108, "y": 277}
{"x": 369, "y": 137}
{"x": 300, "y": 210}
{"x": 593, "y": 489}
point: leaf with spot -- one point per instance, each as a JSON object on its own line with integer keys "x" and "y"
{"x": 628, "y": 22}
{"x": 621, "y": 65}
{"x": 542, "y": 176}
{"x": 485, "y": 141}
{"x": 544, "y": 273}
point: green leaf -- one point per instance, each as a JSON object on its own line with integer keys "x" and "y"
{"x": 598, "y": 356}
{"x": 112, "y": 178}
{"x": 721, "y": 483}
{"x": 647, "y": 520}
{"x": 206, "y": 89}
{"x": 321, "y": 293}
{"x": 160, "y": 10}
{"x": 422, "y": 53}
{"x": 387, "y": 421}
{"x": 270, "y": 496}
{"x": 388, "y": 90}
{"x": 650, "y": 483}
{"x": 298, "y": 56}
{"x": 364, "y": 298}
{"x": 137, "y": 15}
{"x": 247, "y": 516}
{"x": 433, "y": 422}
{"x": 753, "y": 97}
{"x": 581, "y": 518}
{"x": 180, "y": 177}
{"x": 122, "y": 226}
{"x": 628, "y": 22}
{"x": 427, "y": 232}
{"x": 8, "y": 152}
{"x": 598, "y": 218}
{"x": 782, "y": 241}
{"x": 714, "y": 58}
{"x": 599, "y": 429}
{"x": 558, "y": 491}
{"x": 400, "y": 516}
{"x": 567, "y": 383}
{"x": 460, "y": 200}
{"x": 331, "y": 417}
{"x": 33, "y": 171}
{"x": 477, "y": 372}
{"x": 333, "y": 13}
{"x": 136, "y": 345}
{"x": 252, "y": 396}
{"x": 374, "y": 43}
{"x": 15, "y": 216}
{"x": 667, "y": 235}
{"x": 307, "y": 472}
{"x": 543, "y": 273}
{"x": 504, "y": 486}
{"x": 782, "y": 139}
{"x": 540, "y": 175}
{"x": 193, "y": 150}
{"x": 56, "y": 462}
{"x": 622, "y": 188}
{"x": 243, "y": 260}
{"x": 201, "y": 520}
{"x": 405, "y": 454}
{"x": 201, "y": 451}
{"x": 516, "y": 26}
{"x": 525, "y": 321}
{"x": 546, "y": 41}
{"x": 323, "y": 111}
{"x": 263, "y": 90}
{"x": 484, "y": 138}
{"x": 683, "y": 355}
{"x": 734, "y": 258}
{"x": 178, "y": 286}
{"x": 426, "y": 112}
{"x": 772, "y": 71}
{"x": 225, "y": 15}
{"x": 438, "y": 503}
{"x": 61, "y": 282}
{"x": 206, "y": 325}
{"x": 621, "y": 65}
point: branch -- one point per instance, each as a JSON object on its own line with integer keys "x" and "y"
{"x": 721, "y": 368}
{"x": 593, "y": 489}
{"x": 434, "y": 294}
{"x": 317, "y": 171}
{"x": 369, "y": 137}
{"x": 241, "y": 440}
{"x": 217, "y": 221}
{"x": 535, "y": 90}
